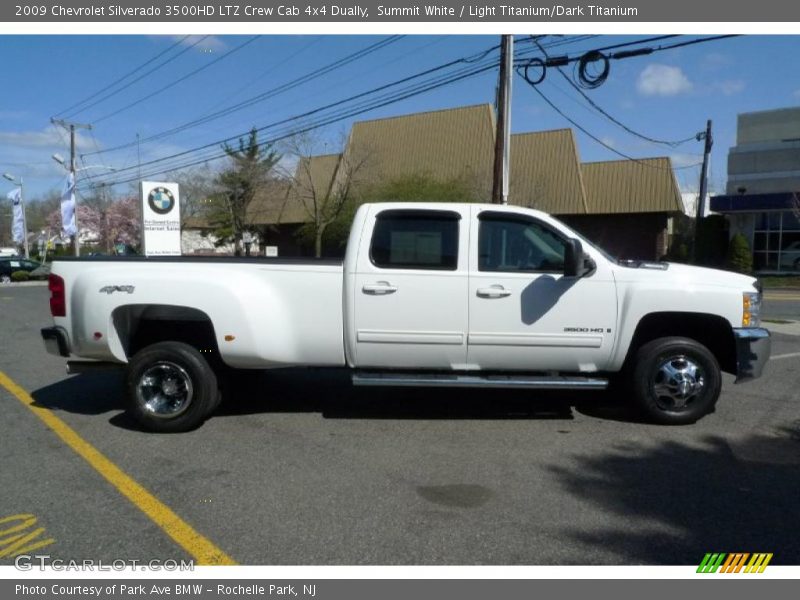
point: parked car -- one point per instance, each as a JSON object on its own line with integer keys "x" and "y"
{"x": 5, "y": 252}
{"x": 8, "y": 265}
{"x": 447, "y": 295}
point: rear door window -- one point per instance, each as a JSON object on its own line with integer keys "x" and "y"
{"x": 415, "y": 239}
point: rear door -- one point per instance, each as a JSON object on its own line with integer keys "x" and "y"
{"x": 410, "y": 289}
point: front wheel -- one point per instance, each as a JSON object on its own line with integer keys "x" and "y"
{"x": 676, "y": 380}
{"x": 170, "y": 387}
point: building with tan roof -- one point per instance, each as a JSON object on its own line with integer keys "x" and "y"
{"x": 623, "y": 205}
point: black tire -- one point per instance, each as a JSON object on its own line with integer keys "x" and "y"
{"x": 170, "y": 387}
{"x": 675, "y": 381}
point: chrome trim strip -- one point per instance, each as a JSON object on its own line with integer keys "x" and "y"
{"x": 446, "y": 338}
{"x": 468, "y": 381}
{"x": 535, "y": 340}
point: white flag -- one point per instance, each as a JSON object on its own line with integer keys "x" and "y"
{"x": 68, "y": 206}
{"x": 17, "y": 220}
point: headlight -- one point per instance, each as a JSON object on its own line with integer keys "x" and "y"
{"x": 751, "y": 309}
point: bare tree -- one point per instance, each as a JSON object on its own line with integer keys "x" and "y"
{"x": 323, "y": 186}
{"x": 198, "y": 188}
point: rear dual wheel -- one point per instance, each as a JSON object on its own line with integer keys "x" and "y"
{"x": 170, "y": 387}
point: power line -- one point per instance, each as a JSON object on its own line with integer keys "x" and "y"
{"x": 475, "y": 66}
{"x": 597, "y": 56}
{"x": 389, "y": 99}
{"x": 179, "y": 80}
{"x": 598, "y": 140}
{"x": 278, "y": 63}
{"x": 120, "y": 79}
{"x": 338, "y": 103}
{"x": 142, "y": 76}
{"x": 598, "y": 108}
{"x": 324, "y": 70}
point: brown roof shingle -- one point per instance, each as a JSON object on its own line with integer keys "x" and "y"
{"x": 628, "y": 186}
{"x": 313, "y": 178}
{"x": 545, "y": 172}
{"x": 449, "y": 144}
{"x": 458, "y": 143}
{"x": 265, "y": 209}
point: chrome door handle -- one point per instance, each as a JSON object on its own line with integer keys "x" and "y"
{"x": 381, "y": 288}
{"x": 493, "y": 292}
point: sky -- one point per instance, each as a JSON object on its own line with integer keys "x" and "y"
{"x": 665, "y": 95}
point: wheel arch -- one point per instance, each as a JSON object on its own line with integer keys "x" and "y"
{"x": 713, "y": 331}
{"x": 138, "y": 325}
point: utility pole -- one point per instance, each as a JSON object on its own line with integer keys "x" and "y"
{"x": 701, "y": 200}
{"x": 76, "y": 244}
{"x": 502, "y": 142}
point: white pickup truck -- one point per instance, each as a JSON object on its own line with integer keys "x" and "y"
{"x": 461, "y": 295}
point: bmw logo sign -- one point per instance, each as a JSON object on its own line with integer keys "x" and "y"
{"x": 160, "y": 200}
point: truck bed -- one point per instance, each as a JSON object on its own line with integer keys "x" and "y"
{"x": 265, "y": 312}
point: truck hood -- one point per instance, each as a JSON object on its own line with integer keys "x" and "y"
{"x": 685, "y": 274}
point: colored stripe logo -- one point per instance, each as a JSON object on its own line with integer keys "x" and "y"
{"x": 735, "y": 562}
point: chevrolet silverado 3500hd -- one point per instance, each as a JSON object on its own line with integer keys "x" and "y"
{"x": 428, "y": 295}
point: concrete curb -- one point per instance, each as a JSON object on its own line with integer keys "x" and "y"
{"x": 792, "y": 328}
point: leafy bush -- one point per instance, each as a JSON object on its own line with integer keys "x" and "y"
{"x": 739, "y": 257}
{"x": 40, "y": 273}
{"x": 678, "y": 252}
{"x": 20, "y": 276}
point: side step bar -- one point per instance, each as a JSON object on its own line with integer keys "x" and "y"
{"x": 536, "y": 382}
{"x": 75, "y": 367}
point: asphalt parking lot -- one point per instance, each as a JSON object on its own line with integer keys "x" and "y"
{"x": 302, "y": 469}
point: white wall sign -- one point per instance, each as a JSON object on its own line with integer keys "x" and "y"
{"x": 161, "y": 219}
{"x": 271, "y": 251}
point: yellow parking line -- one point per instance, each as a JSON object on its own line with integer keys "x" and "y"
{"x": 199, "y": 547}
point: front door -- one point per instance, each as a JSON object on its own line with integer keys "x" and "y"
{"x": 410, "y": 290}
{"x": 524, "y": 314}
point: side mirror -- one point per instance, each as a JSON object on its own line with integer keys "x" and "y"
{"x": 575, "y": 261}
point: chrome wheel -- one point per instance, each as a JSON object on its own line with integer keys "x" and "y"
{"x": 677, "y": 381}
{"x": 164, "y": 390}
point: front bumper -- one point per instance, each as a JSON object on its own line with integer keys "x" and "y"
{"x": 56, "y": 341}
{"x": 753, "y": 347}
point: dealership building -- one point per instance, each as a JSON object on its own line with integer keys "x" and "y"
{"x": 762, "y": 199}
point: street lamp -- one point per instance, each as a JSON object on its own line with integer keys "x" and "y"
{"x": 60, "y": 160}
{"x": 13, "y": 180}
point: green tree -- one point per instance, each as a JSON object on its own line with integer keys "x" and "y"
{"x": 251, "y": 166}
{"x": 422, "y": 187}
{"x": 739, "y": 257}
{"x": 416, "y": 187}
